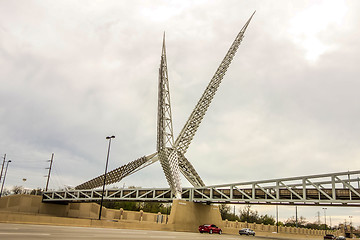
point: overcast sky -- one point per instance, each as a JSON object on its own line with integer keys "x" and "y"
{"x": 74, "y": 72}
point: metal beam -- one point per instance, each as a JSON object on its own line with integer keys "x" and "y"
{"x": 334, "y": 189}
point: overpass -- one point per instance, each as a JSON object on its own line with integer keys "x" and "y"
{"x": 334, "y": 189}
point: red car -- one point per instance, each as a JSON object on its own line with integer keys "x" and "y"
{"x": 210, "y": 228}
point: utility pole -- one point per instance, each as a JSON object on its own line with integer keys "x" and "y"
{"x": 2, "y": 167}
{"x": 48, "y": 176}
{"x": 325, "y": 219}
{"x": 330, "y": 222}
{"x": 296, "y": 216}
{"x": 351, "y": 235}
{"x": 345, "y": 225}
{"x": 2, "y": 185}
{"x": 318, "y": 215}
{"x": 277, "y": 219}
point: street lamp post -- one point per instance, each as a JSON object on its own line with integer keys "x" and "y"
{"x": 325, "y": 218}
{"x": 107, "y": 161}
{"x": 2, "y": 185}
{"x": 351, "y": 235}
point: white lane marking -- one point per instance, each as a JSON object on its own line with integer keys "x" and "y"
{"x": 34, "y": 234}
{"x": 138, "y": 233}
{"x": 162, "y": 236}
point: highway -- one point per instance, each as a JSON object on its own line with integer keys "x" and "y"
{"x": 27, "y": 231}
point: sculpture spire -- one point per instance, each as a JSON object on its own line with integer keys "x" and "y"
{"x": 172, "y": 154}
{"x": 186, "y": 135}
{"x": 165, "y": 136}
{"x": 168, "y": 158}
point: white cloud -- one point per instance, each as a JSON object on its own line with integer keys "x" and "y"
{"x": 73, "y": 73}
{"x": 308, "y": 25}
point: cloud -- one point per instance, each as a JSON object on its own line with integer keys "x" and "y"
{"x": 73, "y": 73}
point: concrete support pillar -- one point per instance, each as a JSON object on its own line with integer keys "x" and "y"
{"x": 141, "y": 215}
{"x": 187, "y": 216}
{"x": 121, "y": 213}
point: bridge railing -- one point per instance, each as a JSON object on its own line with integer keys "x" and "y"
{"x": 340, "y": 189}
{"x": 335, "y": 188}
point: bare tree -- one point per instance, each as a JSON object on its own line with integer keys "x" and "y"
{"x": 249, "y": 215}
{"x": 18, "y": 189}
{"x": 291, "y": 222}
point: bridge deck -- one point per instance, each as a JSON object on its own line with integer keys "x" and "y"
{"x": 326, "y": 189}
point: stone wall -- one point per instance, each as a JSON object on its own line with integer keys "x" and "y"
{"x": 33, "y": 204}
{"x": 235, "y": 226}
{"x": 184, "y": 216}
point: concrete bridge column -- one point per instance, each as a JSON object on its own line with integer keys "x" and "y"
{"x": 141, "y": 215}
{"x": 187, "y": 216}
{"x": 121, "y": 214}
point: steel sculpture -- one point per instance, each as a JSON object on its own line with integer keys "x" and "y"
{"x": 170, "y": 153}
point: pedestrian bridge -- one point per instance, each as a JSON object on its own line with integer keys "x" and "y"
{"x": 334, "y": 189}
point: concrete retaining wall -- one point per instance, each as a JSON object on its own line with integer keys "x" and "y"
{"x": 261, "y": 229}
{"x": 33, "y": 204}
{"x": 184, "y": 216}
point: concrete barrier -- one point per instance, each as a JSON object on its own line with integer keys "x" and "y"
{"x": 184, "y": 216}
{"x": 233, "y": 227}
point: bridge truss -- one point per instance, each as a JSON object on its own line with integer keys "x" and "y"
{"x": 334, "y": 189}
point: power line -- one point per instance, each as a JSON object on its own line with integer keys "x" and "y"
{"x": 57, "y": 179}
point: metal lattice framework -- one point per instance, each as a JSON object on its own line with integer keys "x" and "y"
{"x": 165, "y": 138}
{"x": 188, "y": 132}
{"x": 119, "y": 173}
{"x": 172, "y": 154}
{"x": 334, "y": 189}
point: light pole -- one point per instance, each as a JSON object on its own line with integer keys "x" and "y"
{"x": 2, "y": 185}
{"x": 325, "y": 218}
{"x": 351, "y": 235}
{"x": 107, "y": 160}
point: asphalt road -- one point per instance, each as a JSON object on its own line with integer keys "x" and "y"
{"x": 28, "y": 231}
